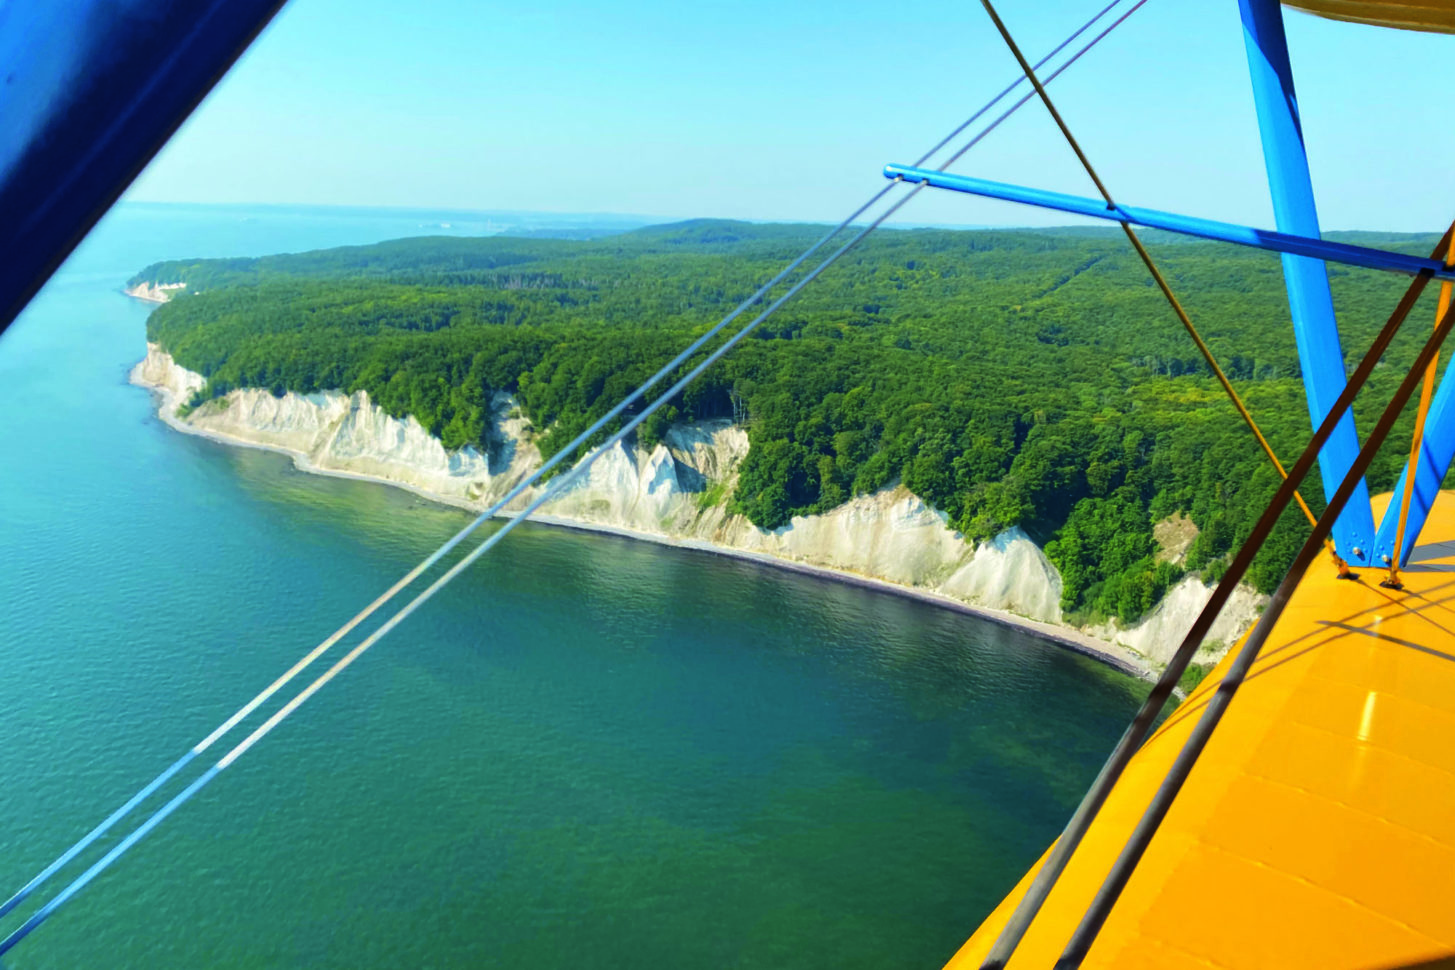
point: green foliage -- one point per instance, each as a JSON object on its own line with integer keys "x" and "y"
{"x": 1031, "y": 379}
{"x": 1193, "y": 675}
{"x": 711, "y": 496}
{"x": 1104, "y": 552}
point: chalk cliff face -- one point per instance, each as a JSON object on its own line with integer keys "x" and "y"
{"x": 891, "y": 535}
{"x": 1160, "y": 632}
{"x": 155, "y": 292}
{"x": 336, "y": 432}
{"x": 174, "y": 384}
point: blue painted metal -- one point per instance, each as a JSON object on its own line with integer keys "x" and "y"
{"x": 92, "y": 89}
{"x": 1307, "y": 280}
{"x": 1437, "y": 449}
{"x": 1279, "y": 242}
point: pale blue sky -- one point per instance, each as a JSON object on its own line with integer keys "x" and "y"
{"x": 766, "y": 109}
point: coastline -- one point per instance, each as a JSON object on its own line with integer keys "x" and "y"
{"x": 1113, "y": 655}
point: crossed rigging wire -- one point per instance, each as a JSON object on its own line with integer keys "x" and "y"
{"x": 553, "y": 489}
{"x": 1058, "y": 857}
{"x": 1161, "y": 281}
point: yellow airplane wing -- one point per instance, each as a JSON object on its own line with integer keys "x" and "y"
{"x": 1318, "y": 828}
{"x": 1433, "y": 15}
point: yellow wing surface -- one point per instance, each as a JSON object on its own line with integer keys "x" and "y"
{"x": 1435, "y": 15}
{"x": 1318, "y": 828}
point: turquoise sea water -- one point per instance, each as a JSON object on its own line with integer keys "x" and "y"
{"x": 588, "y": 752}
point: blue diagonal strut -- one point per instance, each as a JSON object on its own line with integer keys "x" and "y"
{"x": 1311, "y": 303}
{"x": 1278, "y": 242}
{"x": 1309, "y": 300}
{"x": 1439, "y": 442}
{"x": 1437, "y": 448}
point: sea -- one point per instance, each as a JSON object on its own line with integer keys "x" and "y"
{"x": 588, "y": 752}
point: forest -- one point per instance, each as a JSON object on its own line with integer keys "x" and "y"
{"x": 1010, "y": 378}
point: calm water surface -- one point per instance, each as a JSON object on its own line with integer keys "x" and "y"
{"x": 587, "y": 752}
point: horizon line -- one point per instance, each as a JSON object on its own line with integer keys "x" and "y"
{"x": 647, "y": 221}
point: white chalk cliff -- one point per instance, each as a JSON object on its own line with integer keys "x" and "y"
{"x": 1160, "y": 632}
{"x": 890, "y": 536}
{"x": 154, "y": 292}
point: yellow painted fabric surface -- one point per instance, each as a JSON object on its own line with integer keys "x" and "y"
{"x": 1434, "y": 15}
{"x": 1318, "y": 828}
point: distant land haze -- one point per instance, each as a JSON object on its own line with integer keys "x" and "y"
{"x": 462, "y": 222}
{"x": 407, "y": 221}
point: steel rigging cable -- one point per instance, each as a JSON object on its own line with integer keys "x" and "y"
{"x": 1059, "y": 856}
{"x": 550, "y": 492}
{"x": 1081, "y": 820}
{"x": 556, "y": 486}
{"x": 318, "y": 651}
{"x": 1147, "y": 825}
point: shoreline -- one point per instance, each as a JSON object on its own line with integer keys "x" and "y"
{"x": 1112, "y": 655}
{"x": 1124, "y": 661}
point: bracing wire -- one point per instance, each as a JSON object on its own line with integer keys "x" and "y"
{"x": 556, "y": 486}
{"x": 1016, "y": 105}
{"x": 261, "y": 698}
{"x": 1151, "y": 819}
{"x": 1207, "y": 355}
{"x": 1417, "y": 442}
{"x": 1030, "y": 903}
{"x": 552, "y": 490}
{"x": 1049, "y": 872}
{"x": 1019, "y": 80}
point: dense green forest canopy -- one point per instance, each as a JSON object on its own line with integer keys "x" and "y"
{"x": 1008, "y": 377}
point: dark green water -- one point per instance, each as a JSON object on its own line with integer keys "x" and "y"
{"x": 588, "y": 752}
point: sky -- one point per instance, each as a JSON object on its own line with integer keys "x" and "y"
{"x": 774, "y": 110}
